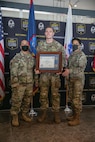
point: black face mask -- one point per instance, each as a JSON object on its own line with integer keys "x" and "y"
{"x": 75, "y": 47}
{"x": 25, "y": 48}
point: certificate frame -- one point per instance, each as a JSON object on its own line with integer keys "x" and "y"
{"x": 50, "y": 62}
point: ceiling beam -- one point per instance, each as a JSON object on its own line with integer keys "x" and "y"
{"x": 89, "y": 13}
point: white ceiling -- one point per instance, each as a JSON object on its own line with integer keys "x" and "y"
{"x": 81, "y": 4}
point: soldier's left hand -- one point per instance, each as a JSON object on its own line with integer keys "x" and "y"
{"x": 66, "y": 72}
{"x": 58, "y": 73}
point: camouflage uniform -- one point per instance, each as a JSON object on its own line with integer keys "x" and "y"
{"x": 21, "y": 74}
{"x": 50, "y": 79}
{"x": 76, "y": 64}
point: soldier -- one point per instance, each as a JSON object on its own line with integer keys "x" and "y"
{"x": 75, "y": 69}
{"x": 50, "y": 79}
{"x": 21, "y": 75}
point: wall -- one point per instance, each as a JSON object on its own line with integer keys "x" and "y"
{"x": 18, "y": 13}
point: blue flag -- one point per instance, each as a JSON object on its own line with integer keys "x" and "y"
{"x": 31, "y": 37}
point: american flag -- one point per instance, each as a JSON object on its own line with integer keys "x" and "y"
{"x": 93, "y": 66}
{"x": 2, "y": 82}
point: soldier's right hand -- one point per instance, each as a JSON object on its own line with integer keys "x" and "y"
{"x": 14, "y": 85}
{"x": 37, "y": 71}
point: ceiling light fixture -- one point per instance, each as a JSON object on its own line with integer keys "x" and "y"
{"x": 10, "y": 9}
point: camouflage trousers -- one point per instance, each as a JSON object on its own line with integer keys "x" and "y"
{"x": 50, "y": 81}
{"x": 75, "y": 94}
{"x": 21, "y": 98}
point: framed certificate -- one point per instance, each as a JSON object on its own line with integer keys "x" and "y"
{"x": 49, "y": 61}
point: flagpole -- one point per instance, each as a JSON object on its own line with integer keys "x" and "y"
{"x": 68, "y": 48}
{"x": 31, "y": 37}
{"x": 32, "y": 112}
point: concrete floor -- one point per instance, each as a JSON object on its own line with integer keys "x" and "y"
{"x": 49, "y": 131}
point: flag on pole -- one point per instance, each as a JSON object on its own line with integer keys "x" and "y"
{"x": 93, "y": 66}
{"x": 2, "y": 81}
{"x": 31, "y": 37}
{"x": 68, "y": 33}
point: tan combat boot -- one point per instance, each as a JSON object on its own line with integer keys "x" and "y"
{"x": 75, "y": 121}
{"x": 26, "y": 118}
{"x": 57, "y": 117}
{"x": 15, "y": 121}
{"x": 43, "y": 116}
{"x": 70, "y": 118}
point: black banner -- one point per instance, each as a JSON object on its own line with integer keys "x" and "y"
{"x": 15, "y": 30}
